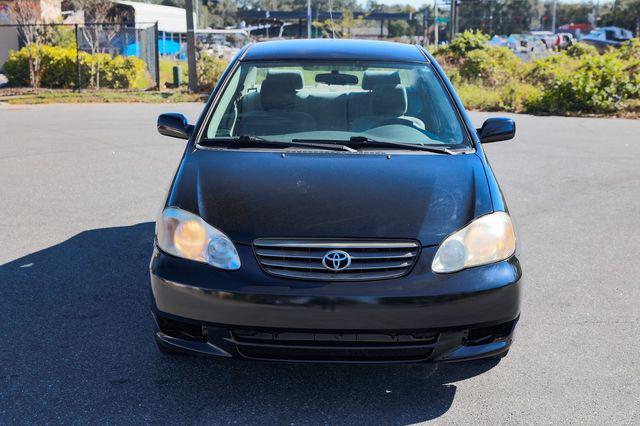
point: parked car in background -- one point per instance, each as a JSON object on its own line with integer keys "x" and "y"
{"x": 607, "y": 36}
{"x": 548, "y": 38}
{"x": 334, "y": 204}
{"x": 526, "y": 45}
{"x": 564, "y": 40}
{"x": 578, "y": 30}
{"x": 498, "y": 41}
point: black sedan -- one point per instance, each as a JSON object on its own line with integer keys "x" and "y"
{"x": 334, "y": 204}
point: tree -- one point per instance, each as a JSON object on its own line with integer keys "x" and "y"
{"x": 32, "y": 32}
{"x": 99, "y": 34}
{"x": 570, "y": 13}
{"x": 625, "y": 14}
{"x": 222, "y": 14}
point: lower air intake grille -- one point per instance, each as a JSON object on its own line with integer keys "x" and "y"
{"x": 334, "y": 347}
{"x": 348, "y": 260}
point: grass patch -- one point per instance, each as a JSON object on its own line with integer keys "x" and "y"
{"x": 32, "y": 97}
{"x": 166, "y": 72}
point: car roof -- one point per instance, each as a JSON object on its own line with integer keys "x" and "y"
{"x": 334, "y": 49}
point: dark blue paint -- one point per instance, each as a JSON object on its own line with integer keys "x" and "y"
{"x": 251, "y": 194}
{"x": 350, "y": 50}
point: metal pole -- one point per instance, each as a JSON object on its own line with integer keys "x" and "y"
{"x": 553, "y": 16}
{"x": 425, "y": 20}
{"x": 490, "y": 17}
{"x": 308, "y": 18}
{"x": 437, "y": 30}
{"x": 456, "y": 21}
{"x": 78, "y": 74}
{"x": 157, "y": 55}
{"x": 196, "y": 24}
{"x": 191, "y": 48}
{"x": 452, "y": 20}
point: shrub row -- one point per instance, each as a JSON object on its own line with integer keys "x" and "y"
{"x": 210, "y": 69}
{"x": 58, "y": 69}
{"x": 577, "y": 80}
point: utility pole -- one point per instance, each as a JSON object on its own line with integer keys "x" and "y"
{"x": 425, "y": 27}
{"x": 553, "y": 16}
{"x": 453, "y": 18}
{"x": 191, "y": 48}
{"x": 435, "y": 21}
{"x": 308, "y": 18}
{"x": 196, "y": 24}
{"x": 490, "y": 17}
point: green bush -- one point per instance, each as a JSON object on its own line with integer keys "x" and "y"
{"x": 630, "y": 50}
{"x": 545, "y": 70}
{"x": 210, "y": 69}
{"x": 514, "y": 97}
{"x": 123, "y": 72}
{"x": 478, "y": 97}
{"x": 519, "y": 97}
{"x": 468, "y": 41}
{"x": 58, "y": 68}
{"x": 597, "y": 85}
{"x": 17, "y": 68}
{"x": 491, "y": 67}
{"x": 577, "y": 80}
{"x": 579, "y": 50}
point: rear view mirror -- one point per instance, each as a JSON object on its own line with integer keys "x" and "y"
{"x": 497, "y": 129}
{"x": 335, "y": 78}
{"x": 174, "y": 125}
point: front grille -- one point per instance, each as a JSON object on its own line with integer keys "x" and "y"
{"x": 303, "y": 259}
{"x": 334, "y": 347}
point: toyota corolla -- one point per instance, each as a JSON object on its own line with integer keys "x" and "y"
{"x": 334, "y": 204}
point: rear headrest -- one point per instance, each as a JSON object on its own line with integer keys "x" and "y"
{"x": 389, "y": 99}
{"x": 370, "y": 79}
{"x": 277, "y": 94}
{"x": 295, "y": 77}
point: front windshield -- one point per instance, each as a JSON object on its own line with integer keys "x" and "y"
{"x": 336, "y": 101}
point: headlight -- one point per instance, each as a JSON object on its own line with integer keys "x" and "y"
{"x": 186, "y": 235}
{"x": 487, "y": 239}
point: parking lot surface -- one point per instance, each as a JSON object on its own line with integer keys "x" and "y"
{"x": 82, "y": 184}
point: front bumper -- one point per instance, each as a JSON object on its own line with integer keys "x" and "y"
{"x": 419, "y": 317}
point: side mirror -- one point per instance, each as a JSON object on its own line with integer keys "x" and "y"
{"x": 174, "y": 125}
{"x": 497, "y": 129}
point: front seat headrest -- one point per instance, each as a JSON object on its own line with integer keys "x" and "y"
{"x": 295, "y": 77}
{"x": 389, "y": 99}
{"x": 371, "y": 79}
{"x": 278, "y": 90}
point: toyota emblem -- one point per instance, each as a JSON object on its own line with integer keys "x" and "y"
{"x": 336, "y": 260}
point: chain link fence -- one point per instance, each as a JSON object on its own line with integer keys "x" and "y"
{"x": 83, "y": 56}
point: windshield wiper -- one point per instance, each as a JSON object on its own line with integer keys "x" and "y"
{"x": 258, "y": 140}
{"x": 363, "y": 141}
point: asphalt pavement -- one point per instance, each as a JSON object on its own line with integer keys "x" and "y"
{"x": 82, "y": 184}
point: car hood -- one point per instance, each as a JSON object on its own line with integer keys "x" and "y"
{"x": 253, "y": 194}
